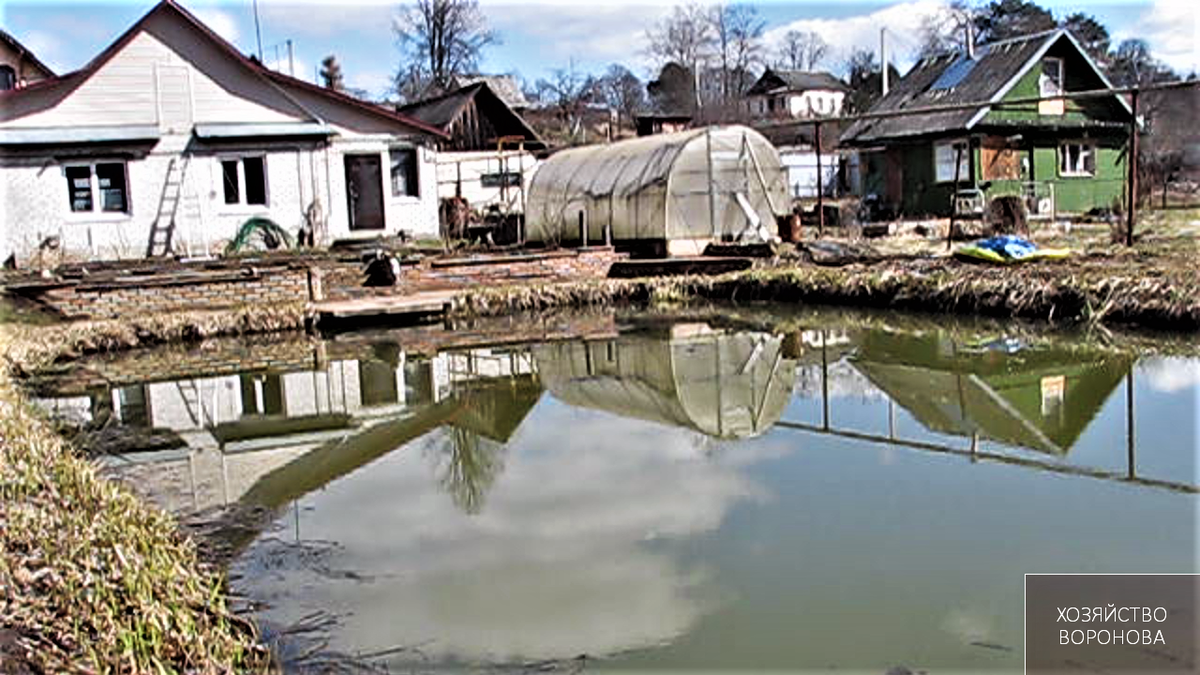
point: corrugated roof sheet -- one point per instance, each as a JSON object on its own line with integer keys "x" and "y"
{"x": 796, "y": 80}
{"x": 94, "y": 134}
{"x": 947, "y": 80}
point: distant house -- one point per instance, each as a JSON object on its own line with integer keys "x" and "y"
{"x": 504, "y": 86}
{"x": 488, "y": 154}
{"x": 1062, "y": 155}
{"x": 19, "y": 67}
{"x": 796, "y": 94}
{"x": 170, "y": 139}
{"x": 648, "y": 124}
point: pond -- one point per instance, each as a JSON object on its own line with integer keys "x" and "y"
{"x": 774, "y": 491}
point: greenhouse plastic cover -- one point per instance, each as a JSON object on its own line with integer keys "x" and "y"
{"x": 657, "y": 187}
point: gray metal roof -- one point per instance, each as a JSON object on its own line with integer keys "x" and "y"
{"x": 94, "y": 134}
{"x": 950, "y": 79}
{"x": 266, "y": 129}
{"x": 795, "y": 80}
{"x": 503, "y": 86}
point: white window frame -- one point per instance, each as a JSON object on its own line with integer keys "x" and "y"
{"x": 965, "y": 173}
{"x": 1075, "y": 172}
{"x": 391, "y": 184}
{"x": 1048, "y": 88}
{"x": 97, "y": 211}
{"x": 241, "y": 204}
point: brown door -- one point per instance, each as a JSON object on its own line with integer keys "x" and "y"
{"x": 364, "y": 191}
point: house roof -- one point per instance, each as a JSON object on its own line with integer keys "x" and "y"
{"x": 503, "y": 86}
{"x": 795, "y": 80}
{"x": 440, "y": 112}
{"x": 954, "y": 78}
{"x": 49, "y": 91}
{"x": 24, "y": 51}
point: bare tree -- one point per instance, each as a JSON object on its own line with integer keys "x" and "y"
{"x": 946, "y": 29}
{"x": 685, "y": 37}
{"x": 439, "y": 39}
{"x": 569, "y": 91}
{"x": 737, "y": 35}
{"x": 623, "y": 92}
{"x": 802, "y": 50}
{"x": 331, "y": 73}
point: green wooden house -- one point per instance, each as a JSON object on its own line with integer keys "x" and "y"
{"x": 1061, "y": 155}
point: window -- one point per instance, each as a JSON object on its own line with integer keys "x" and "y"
{"x": 244, "y": 180}
{"x": 1050, "y": 82}
{"x": 495, "y": 180}
{"x": 110, "y": 188}
{"x": 404, "y": 172}
{"x": 944, "y": 155}
{"x": 1077, "y": 159}
{"x": 8, "y": 78}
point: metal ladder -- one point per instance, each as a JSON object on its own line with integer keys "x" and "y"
{"x": 162, "y": 230}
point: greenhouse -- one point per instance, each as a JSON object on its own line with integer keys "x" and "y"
{"x": 675, "y": 192}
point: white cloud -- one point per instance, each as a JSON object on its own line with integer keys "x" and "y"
{"x": 1172, "y": 29}
{"x": 584, "y": 32}
{"x": 1171, "y": 374}
{"x": 903, "y": 21}
{"x": 222, "y": 23}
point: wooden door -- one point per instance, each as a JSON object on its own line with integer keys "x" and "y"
{"x": 364, "y": 191}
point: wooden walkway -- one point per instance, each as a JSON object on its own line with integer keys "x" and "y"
{"x": 422, "y": 304}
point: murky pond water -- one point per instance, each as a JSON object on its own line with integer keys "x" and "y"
{"x": 631, "y": 493}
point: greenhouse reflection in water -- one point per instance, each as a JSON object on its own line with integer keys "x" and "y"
{"x": 679, "y": 495}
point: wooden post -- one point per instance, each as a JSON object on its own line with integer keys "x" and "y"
{"x": 820, "y": 189}
{"x": 712, "y": 197}
{"x": 582, "y": 228}
{"x": 1132, "y": 159}
{"x": 954, "y": 194}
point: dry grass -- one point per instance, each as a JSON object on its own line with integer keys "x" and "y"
{"x": 31, "y": 348}
{"x": 1154, "y": 284}
{"x": 91, "y": 579}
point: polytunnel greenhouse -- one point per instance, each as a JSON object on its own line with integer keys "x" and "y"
{"x": 677, "y": 191}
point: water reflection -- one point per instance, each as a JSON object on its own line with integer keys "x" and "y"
{"x": 721, "y": 384}
{"x": 1036, "y": 397}
{"x": 680, "y": 495}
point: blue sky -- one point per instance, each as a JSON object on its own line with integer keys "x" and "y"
{"x": 540, "y": 36}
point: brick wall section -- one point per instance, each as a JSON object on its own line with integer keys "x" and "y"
{"x": 342, "y": 281}
{"x": 167, "y": 293}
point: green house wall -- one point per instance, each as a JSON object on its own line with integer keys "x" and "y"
{"x": 924, "y": 196}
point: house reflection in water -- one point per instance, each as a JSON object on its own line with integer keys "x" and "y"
{"x": 1037, "y": 397}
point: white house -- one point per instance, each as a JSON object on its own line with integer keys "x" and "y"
{"x": 796, "y": 94}
{"x": 170, "y": 139}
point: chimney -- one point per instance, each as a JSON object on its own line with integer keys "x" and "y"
{"x": 970, "y": 39}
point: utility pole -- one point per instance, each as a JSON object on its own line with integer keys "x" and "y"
{"x": 883, "y": 59}
{"x": 257, "y": 32}
{"x": 1132, "y": 160}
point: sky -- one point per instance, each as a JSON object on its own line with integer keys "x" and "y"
{"x": 539, "y": 37}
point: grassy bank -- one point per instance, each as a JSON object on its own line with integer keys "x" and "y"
{"x": 31, "y": 347}
{"x": 92, "y": 580}
{"x": 1041, "y": 291}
